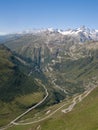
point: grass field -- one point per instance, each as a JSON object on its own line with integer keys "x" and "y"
{"x": 30, "y": 99}
{"x": 84, "y": 116}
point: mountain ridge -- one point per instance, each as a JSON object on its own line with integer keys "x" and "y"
{"x": 66, "y": 64}
{"x": 50, "y": 35}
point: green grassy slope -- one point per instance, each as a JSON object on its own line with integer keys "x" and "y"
{"x": 84, "y": 116}
{"x": 13, "y": 81}
{"x": 18, "y": 92}
{"x": 73, "y": 75}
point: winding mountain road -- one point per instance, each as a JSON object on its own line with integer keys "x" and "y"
{"x": 75, "y": 100}
{"x": 13, "y": 122}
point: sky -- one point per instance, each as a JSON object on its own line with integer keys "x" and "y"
{"x": 19, "y": 15}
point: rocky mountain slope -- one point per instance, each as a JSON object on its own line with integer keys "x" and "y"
{"x": 19, "y": 89}
{"x": 16, "y": 88}
{"x": 66, "y": 62}
{"x": 64, "y": 58}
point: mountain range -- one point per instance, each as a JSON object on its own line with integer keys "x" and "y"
{"x": 65, "y": 62}
{"x": 83, "y": 33}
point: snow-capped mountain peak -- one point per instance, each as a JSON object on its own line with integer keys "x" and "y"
{"x": 81, "y": 34}
{"x": 50, "y": 29}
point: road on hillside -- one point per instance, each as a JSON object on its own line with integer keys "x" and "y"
{"x": 13, "y": 122}
{"x": 53, "y": 82}
{"x": 75, "y": 100}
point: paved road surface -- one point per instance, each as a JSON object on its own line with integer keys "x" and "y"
{"x": 13, "y": 122}
{"x": 75, "y": 100}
